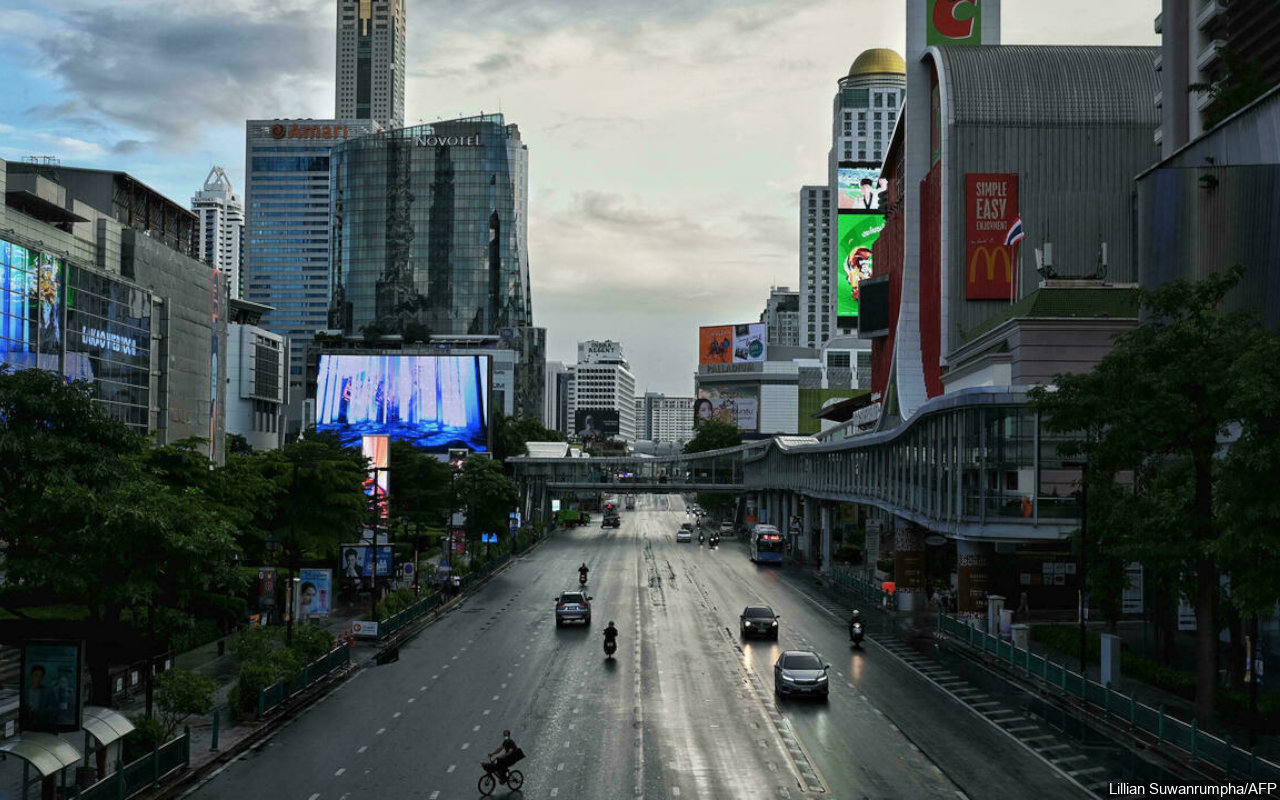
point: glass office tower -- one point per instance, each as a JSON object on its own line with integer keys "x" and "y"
{"x": 429, "y": 228}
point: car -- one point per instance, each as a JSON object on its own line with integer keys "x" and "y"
{"x": 800, "y": 672}
{"x": 759, "y": 621}
{"x": 685, "y": 534}
{"x": 573, "y": 607}
{"x": 611, "y": 520}
{"x": 726, "y": 528}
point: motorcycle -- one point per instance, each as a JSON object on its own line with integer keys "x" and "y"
{"x": 715, "y": 540}
{"x": 610, "y": 647}
{"x": 582, "y": 579}
{"x": 699, "y": 537}
{"x": 855, "y": 633}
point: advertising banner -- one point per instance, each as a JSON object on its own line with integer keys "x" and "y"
{"x": 266, "y": 587}
{"x": 357, "y": 561}
{"x": 433, "y": 402}
{"x": 715, "y": 344}
{"x": 315, "y": 593}
{"x": 954, "y": 22}
{"x": 739, "y": 405}
{"x": 733, "y": 344}
{"x": 31, "y": 307}
{"x": 857, "y": 236}
{"x": 596, "y": 423}
{"x": 51, "y": 687}
{"x": 377, "y": 451}
{"x": 861, "y": 189}
{"x": 991, "y": 207}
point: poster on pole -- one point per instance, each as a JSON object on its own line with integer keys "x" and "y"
{"x": 315, "y": 593}
{"x": 51, "y": 687}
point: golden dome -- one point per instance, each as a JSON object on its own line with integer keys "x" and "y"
{"x": 878, "y": 61}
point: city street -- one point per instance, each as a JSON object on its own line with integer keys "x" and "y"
{"x": 686, "y": 709}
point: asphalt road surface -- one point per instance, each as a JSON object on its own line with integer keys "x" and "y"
{"x": 685, "y": 710}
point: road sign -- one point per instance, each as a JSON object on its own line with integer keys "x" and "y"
{"x": 408, "y": 569}
{"x": 364, "y": 629}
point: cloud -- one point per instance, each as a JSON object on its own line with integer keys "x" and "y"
{"x": 174, "y": 68}
{"x": 70, "y": 147}
{"x": 126, "y": 147}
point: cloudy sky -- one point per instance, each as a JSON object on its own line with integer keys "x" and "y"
{"x": 668, "y": 139}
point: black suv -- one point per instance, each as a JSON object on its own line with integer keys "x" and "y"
{"x": 759, "y": 621}
{"x": 611, "y": 520}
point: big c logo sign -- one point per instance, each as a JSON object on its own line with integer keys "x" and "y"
{"x": 954, "y": 22}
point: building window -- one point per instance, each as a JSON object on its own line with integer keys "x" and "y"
{"x": 879, "y": 99}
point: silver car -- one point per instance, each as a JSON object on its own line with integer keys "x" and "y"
{"x": 800, "y": 672}
{"x": 573, "y": 607}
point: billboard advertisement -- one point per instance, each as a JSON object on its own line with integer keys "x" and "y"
{"x": 739, "y": 405}
{"x": 991, "y": 207}
{"x": 432, "y": 402}
{"x": 31, "y": 307}
{"x": 954, "y": 22}
{"x": 857, "y": 237}
{"x": 861, "y": 189}
{"x": 357, "y": 561}
{"x": 315, "y": 593}
{"x": 733, "y": 344}
{"x": 51, "y": 684}
{"x": 377, "y": 451}
{"x": 596, "y": 423}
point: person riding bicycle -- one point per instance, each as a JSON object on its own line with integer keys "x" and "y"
{"x": 508, "y": 750}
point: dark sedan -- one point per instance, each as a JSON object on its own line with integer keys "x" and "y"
{"x": 759, "y": 621}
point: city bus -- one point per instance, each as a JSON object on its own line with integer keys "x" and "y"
{"x": 766, "y": 545}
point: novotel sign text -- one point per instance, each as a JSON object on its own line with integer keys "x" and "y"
{"x": 447, "y": 141}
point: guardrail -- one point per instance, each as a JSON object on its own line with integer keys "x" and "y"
{"x": 273, "y": 696}
{"x": 1119, "y": 708}
{"x": 406, "y": 616}
{"x": 868, "y": 590}
{"x": 145, "y": 773}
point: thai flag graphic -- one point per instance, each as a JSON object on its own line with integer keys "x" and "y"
{"x": 1015, "y": 233}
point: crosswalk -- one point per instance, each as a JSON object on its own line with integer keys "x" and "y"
{"x": 1030, "y": 731}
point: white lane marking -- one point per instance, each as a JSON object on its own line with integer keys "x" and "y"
{"x": 451, "y": 768}
{"x": 433, "y": 677}
{"x": 510, "y": 674}
{"x": 560, "y": 767}
{"x": 363, "y": 747}
{"x": 434, "y": 795}
{"x": 555, "y": 792}
{"x": 340, "y": 771}
{"x": 675, "y": 791}
{"x": 566, "y": 744}
{"x": 380, "y": 731}
{"x": 495, "y": 697}
{"x": 486, "y": 712}
{"x": 465, "y": 745}
{"x": 423, "y": 688}
{"x": 393, "y": 716}
{"x": 411, "y": 699}
{"x": 503, "y": 686}
{"x": 314, "y": 796}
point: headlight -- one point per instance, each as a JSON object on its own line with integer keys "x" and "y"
{"x": 822, "y": 678}
{"x": 747, "y": 624}
{"x": 774, "y": 623}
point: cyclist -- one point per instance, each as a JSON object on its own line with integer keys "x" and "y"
{"x": 507, "y": 750}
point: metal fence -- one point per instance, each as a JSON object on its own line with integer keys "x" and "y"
{"x": 145, "y": 773}
{"x": 868, "y": 590}
{"x": 406, "y": 616}
{"x": 271, "y": 697}
{"x": 1119, "y": 708}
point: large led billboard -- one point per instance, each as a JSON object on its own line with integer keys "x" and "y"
{"x": 861, "y": 189}
{"x": 432, "y": 402}
{"x": 857, "y": 237}
{"x": 733, "y": 344}
{"x": 739, "y": 405}
{"x": 596, "y": 423}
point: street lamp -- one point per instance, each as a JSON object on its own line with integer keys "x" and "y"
{"x": 1082, "y": 503}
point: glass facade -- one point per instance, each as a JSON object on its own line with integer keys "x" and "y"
{"x": 430, "y": 229}
{"x": 89, "y": 326}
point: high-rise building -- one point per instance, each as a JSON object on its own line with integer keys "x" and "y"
{"x": 556, "y": 402}
{"x": 430, "y": 228}
{"x": 221, "y": 228}
{"x": 664, "y": 419}
{"x": 286, "y": 248}
{"x": 815, "y": 306}
{"x": 371, "y": 61}
{"x": 1200, "y": 44}
{"x": 782, "y": 316}
{"x": 864, "y": 112}
{"x": 602, "y": 381}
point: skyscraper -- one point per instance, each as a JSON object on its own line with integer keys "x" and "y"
{"x": 604, "y": 389}
{"x": 371, "y": 61}
{"x": 221, "y": 228}
{"x": 286, "y": 252}
{"x": 782, "y": 315}
{"x": 816, "y": 212}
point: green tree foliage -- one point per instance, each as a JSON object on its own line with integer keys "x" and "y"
{"x": 511, "y": 435}
{"x": 487, "y": 494}
{"x": 1156, "y": 408}
{"x": 180, "y": 694}
{"x": 1244, "y": 82}
{"x": 421, "y": 486}
{"x": 713, "y": 435}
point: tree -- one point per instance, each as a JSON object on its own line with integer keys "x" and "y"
{"x": 180, "y": 694}
{"x": 487, "y": 494}
{"x": 714, "y": 435}
{"x": 1244, "y": 82}
{"x": 421, "y": 488}
{"x": 1158, "y": 406}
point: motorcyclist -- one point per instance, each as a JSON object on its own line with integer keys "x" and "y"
{"x": 610, "y": 634}
{"x": 856, "y": 619}
{"x": 582, "y": 572}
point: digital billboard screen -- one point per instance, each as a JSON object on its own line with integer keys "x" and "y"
{"x": 433, "y": 402}
{"x": 596, "y": 423}
{"x": 738, "y": 405}
{"x": 861, "y": 189}
{"x": 733, "y": 344}
{"x": 857, "y": 238}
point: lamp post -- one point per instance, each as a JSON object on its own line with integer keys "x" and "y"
{"x": 1082, "y": 501}
{"x": 293, "y": 545}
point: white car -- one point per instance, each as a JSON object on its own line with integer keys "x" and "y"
{"x": 685, "y": 534}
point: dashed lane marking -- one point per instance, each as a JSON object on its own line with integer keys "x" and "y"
{"x": 451, "y": 768}
{"x": 380, "y": 731}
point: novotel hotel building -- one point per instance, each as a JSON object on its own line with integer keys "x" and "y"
{"x": 430, "y": 230}
{"x": 287, "y": 233}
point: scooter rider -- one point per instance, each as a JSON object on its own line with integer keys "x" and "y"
{"x": 582, "y": 572}
{"x": 610, "y": 637}
{"x": 855, "y": 620}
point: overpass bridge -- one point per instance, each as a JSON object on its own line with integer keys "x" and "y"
{"x": 973, "y": 467}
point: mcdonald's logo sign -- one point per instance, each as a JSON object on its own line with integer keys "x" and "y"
{"x": 990, "y": 272}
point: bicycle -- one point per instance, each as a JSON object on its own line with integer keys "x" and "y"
{"x": 490, "y": 780}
